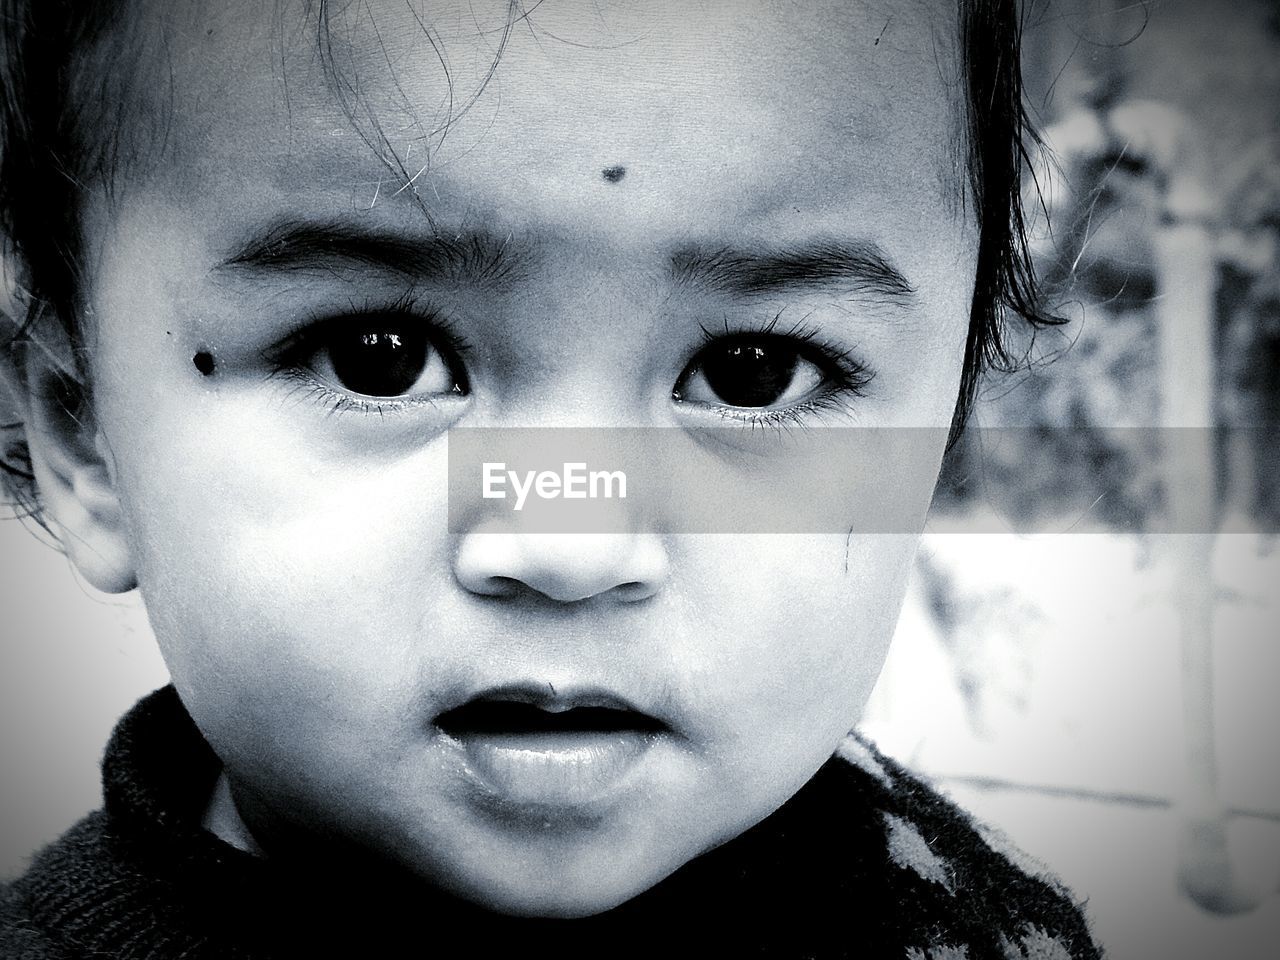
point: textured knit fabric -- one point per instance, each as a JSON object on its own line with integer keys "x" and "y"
{"x": 866, "y": 861}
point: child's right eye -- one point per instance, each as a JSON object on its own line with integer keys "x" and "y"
{"x": 371, "y": 355}
{"x": 384, "y": 360}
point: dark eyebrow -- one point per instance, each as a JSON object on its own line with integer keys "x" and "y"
{"x": 327, "y": 246}
{"x": 859, "y": 265}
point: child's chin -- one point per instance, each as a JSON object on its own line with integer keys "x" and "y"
{"x": 562, "y": 898}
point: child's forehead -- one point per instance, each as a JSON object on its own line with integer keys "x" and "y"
{"x": 734, "y": 104}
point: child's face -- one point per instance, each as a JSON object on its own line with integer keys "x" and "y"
{"x": 290, "y": 538}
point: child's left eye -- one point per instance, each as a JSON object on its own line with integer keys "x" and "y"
{"x": 755, "y": 375}
{"x": 741, "y": 372}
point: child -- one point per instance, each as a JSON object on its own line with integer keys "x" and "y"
{"x": 267, "y": 256}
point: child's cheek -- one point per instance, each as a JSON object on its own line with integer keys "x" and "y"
{"x": 258, "y": 560}
{"x": 789, "y": 636}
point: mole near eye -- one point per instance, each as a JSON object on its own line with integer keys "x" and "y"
{"x": 203, "y": 361}
{"x": 613, "y": 174}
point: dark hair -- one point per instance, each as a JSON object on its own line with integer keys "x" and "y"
{"x": 55, "y": 138}
{"x": 62, "y": 106}
{"x": 1001, "y": 139}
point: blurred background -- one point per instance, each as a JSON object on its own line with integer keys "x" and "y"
{"x": 1089, "y": 654}
{"x": 1100, "y": 680}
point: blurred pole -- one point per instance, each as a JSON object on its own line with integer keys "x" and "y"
{"x": 1187, "y": 270}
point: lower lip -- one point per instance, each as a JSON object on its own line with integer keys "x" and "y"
{"x": 569, "y": 769}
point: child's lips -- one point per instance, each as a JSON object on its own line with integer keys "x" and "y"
{"x": 530, "y": 745}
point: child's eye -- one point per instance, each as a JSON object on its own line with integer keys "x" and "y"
{"x": 758, "y": 376}
{"x": 374, "y": 359}
{"x": 383, "y": 359}
{"x": 741, "y": 372}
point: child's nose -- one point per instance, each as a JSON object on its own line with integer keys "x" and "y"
{"x": 565, "y": 567}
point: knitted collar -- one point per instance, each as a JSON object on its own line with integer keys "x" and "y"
{"x": 838, "y": 871}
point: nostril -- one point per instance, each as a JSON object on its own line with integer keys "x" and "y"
{"x": 566, "y": 568}
{"x": 498, "y": 587}
{"x": 634, "y": 590}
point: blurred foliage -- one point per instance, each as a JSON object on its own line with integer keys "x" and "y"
{"x": 1154, "y": 115}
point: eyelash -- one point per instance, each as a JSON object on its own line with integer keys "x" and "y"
{"x": 288, "y": 359}
{"x": 850, "y": 377}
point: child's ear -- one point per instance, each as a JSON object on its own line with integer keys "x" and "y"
{"x": 74, "y": 472}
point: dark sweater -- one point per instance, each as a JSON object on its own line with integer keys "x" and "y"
{"x": 866, "y": 861}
